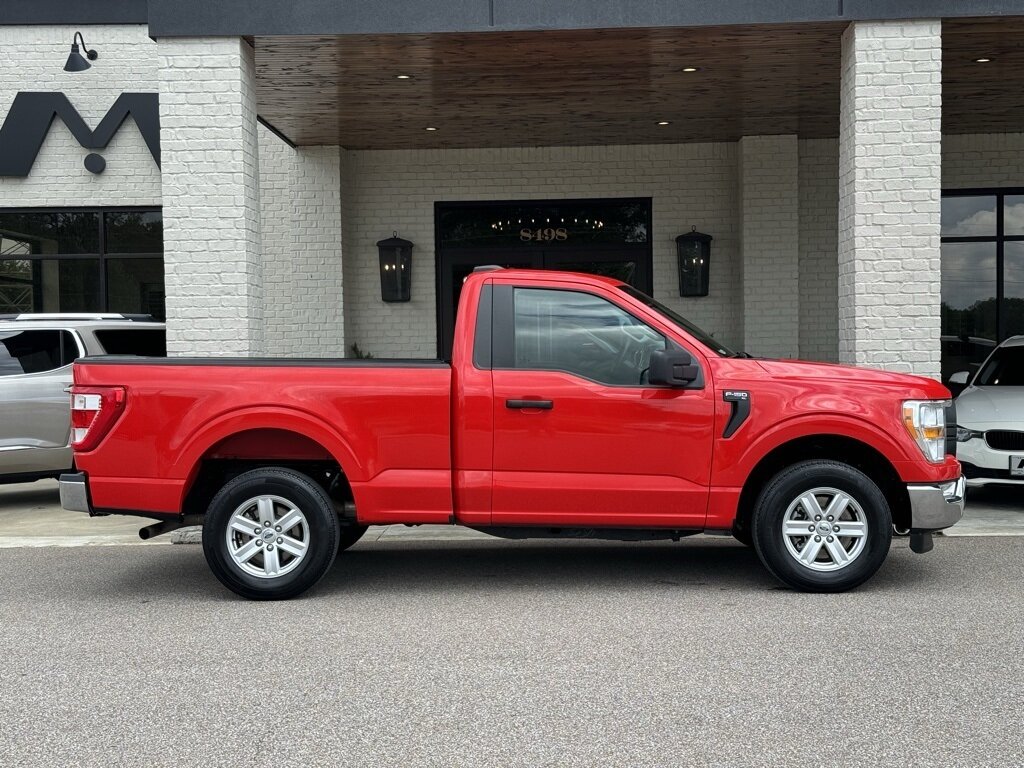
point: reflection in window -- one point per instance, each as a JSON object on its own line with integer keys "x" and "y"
{"x": 1013, "y": 288}
{"x": 42, "y": 268}
{"x": 134, "y": 232}
{"x": 982, "y": 275}
{"x": 582, "y": 334}
{"x": 968, "y": 305}
{"x": 63, "y": 232}
{"x": 1013, "y": 215}
{"x": 136, "y": 286}
{"x": 50, "y": 285}
{"x": 969, "y": 216}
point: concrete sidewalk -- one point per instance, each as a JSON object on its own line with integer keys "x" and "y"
{"x": 31, "y": 516}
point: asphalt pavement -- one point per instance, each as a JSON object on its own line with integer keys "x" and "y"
{"x": 437, "y": 646}
{"x": 493, "y": 653}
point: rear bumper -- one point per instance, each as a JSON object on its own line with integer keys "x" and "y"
{"x": 934, "y": 506}
{"x": 74, "y": 492}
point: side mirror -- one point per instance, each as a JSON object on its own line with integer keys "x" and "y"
{"x": 673, "y": 368}
{"x": 960, "y": 377}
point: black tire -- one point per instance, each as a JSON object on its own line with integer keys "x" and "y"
{"x": 350, "y": 534}
{"x": 780, "y": 553}
{"x": 293, "y": 490}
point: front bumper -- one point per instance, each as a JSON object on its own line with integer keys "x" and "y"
{"x": 934, "y": 506}
{"x": 74, "y": 492}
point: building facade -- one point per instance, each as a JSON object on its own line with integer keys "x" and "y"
{"x": 861, "y": 171}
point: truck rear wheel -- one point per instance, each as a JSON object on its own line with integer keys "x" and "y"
{"x": 270, "y": 534}
{"x": 822, "y": 526}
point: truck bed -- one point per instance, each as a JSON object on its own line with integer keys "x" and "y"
{"x": 386, "y": 422}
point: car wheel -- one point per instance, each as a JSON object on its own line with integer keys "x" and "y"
{"x": 822, "y": 526}
{"x": 270, "y": 534}
{"x": 350, "y": 534}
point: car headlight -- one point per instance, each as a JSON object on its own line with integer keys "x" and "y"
{"x": 925, "y": 420}
{"x": 963, "y": 434}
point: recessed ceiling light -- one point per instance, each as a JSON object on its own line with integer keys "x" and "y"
{"x": 691, "y": 69}
{"x": 403, "y": 77}
{"x": 982, "y": 61}
{"x": 431, "y": 128}
{"x": 663, "y": 122}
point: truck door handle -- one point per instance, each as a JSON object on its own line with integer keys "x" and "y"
{"x": 544, "y": 405}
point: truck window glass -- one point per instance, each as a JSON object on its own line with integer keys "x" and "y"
{"x": 698, "y": 333}
{"x": 582, "y": 334}
{"x": 35, "y": 351}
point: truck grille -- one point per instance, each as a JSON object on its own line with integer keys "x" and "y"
{"x": 1005, "y": 440}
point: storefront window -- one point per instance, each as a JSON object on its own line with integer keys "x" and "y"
{"x": 82, "y": 261}
{"x": 982, "y": 275}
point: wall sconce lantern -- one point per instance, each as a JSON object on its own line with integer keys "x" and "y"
{"x": 694, "y": 253}
{"x": 395, "y": 269}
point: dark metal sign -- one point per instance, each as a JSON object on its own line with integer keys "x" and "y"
{"x": 32, "y": 114}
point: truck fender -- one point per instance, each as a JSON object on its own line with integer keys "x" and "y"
{"x": 263, "y": 417}
{"x": 810, "y": 425}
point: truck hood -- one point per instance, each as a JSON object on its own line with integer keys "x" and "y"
{"x": 798, "y": 369}
{"x": 991, "y": 408}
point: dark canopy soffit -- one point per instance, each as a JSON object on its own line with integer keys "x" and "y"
{"x": 170, "y": 18}
{"x": 73, "y": 11}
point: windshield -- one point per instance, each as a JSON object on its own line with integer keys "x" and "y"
{"x": 1004, "y": 369}
{"x": 700, "y": 335}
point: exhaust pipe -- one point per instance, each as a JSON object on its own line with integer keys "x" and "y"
{"x": 166, "y": 526}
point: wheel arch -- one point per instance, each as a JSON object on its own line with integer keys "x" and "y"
{"x": 264, "y": 437}
{"x": 841, "y": 448}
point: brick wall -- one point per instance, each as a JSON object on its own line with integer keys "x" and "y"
{"x": 384, "y": 191}
{"x": 212, "y": 264}
{"x": 818, "y": 242}
{"x": 32, "y": 59}
{"x": 889, "y": 161}
{"x": 983, "y": 160}
{"x": 769, "y": 244}
{"x": 300, "y": 212}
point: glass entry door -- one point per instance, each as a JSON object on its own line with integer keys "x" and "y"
{"x": 602, "y": 237}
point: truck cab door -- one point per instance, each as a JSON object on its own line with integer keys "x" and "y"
{"x": 581, "y": 438}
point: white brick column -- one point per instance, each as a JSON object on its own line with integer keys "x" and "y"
{"x": 770, "y": 244}
{"x": 302, "y": 268}
{"x": 889, "y": 195}
{"x": 210, "y": 184}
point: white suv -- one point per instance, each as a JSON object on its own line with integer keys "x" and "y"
{"x": 990, "y": 417}
{"x": 36, "y": 352}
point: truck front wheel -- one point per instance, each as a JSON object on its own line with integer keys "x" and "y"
{"x": 270, "y": 534}
{"x": 822, "y": 526}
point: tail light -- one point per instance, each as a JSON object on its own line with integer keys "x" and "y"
{"x": 93, "y": 412}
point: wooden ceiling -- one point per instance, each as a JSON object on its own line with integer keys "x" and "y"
{"x": 983, "y": 97}
{"x": 613, "y": 86}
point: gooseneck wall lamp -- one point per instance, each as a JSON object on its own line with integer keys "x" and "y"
{"x": 76, "y": 62}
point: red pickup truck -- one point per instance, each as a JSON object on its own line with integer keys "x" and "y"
{"x": 573, "y": 406}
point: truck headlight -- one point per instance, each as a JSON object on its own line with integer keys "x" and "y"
{"x": 925, "y": 420}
